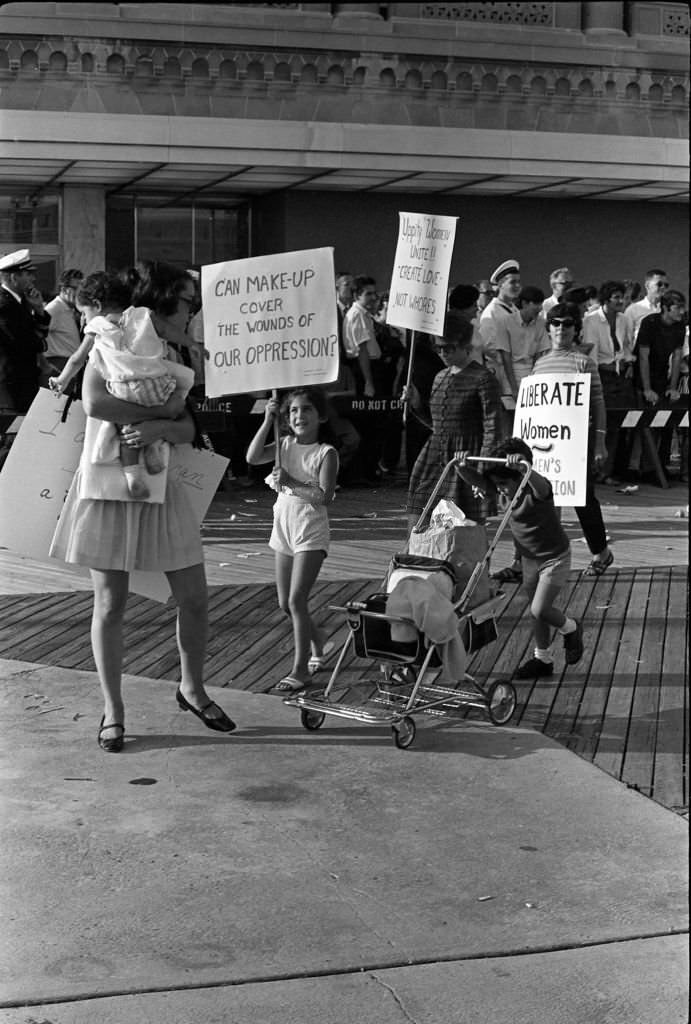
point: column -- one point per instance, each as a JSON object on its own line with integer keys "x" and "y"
{"x": 84, "y": 227}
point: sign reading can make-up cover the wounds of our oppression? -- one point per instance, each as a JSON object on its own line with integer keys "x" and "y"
{"x": 552, "y": 413}
{"x": 419, "y": 282}
{"x": 270, "y": 322}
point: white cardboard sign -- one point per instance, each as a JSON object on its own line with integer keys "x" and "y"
{"x": 270, "y": 322}
{"x": 39, "y": 470}
{"x": 551, "y": 416}
{"x": 419, "y": 282}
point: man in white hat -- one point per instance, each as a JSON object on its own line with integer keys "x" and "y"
{"x": 501, "y": 331}
{"x": 23, "y": 327}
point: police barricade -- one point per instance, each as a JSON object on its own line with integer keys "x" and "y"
{"x": 644, "y": 420}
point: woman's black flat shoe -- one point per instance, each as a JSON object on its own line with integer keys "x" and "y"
{"x": 220, "y": 724}
{"x": 112, "y": 744}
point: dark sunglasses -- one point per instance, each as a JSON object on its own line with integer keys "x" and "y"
{"x": 566, "y": 322}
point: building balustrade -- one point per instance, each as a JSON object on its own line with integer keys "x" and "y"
{"x": 146, "y": 66}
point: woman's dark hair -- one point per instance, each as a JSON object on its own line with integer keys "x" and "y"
{"x": 158, "y": 285}
{"x": 105, "y": 288}
{"x": 511, "y": 446}
{"x": 457, "y": 329}
{"x": 608, "y": 289}
{"x": 565, "y": 309}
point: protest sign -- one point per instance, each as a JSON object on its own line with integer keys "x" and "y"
{"x": 419, "y": 283}
{"x": 270, "y": 322}
{"x": 39, "y": 471}
{"x": 551, "y": 416}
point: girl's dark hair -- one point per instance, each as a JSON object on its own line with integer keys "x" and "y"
{"x": 315, "y": 395}
{"x": 511, "y": 446}
{"x": 320, "y": 401}
{"x": 108, "y": 289}
{"x": 158, "y": 285}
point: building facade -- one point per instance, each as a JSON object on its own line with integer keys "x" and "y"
{"x": 557, "y": 133}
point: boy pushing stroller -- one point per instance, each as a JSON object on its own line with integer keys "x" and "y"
{"x": 543, "y": 546}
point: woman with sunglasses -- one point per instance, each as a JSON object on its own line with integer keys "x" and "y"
{"x": 464, "y": 414}
{"x": 564, "y": 325}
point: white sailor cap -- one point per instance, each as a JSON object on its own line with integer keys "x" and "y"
{"x": 507, "y": 267}
{"x": 15, "y": 262}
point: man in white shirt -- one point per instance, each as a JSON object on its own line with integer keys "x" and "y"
{"x": 656, "y": 284}
{"x": 606, "y": 331}
{"x": 500, "y": 327}
{"x": 63, "y": 334}
{"x": 560, "y": 280}
{"x": 359, "y": 337}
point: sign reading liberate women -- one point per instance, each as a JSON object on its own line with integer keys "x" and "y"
{"x": 270, "y": 322}
{"x": 552, "y": 412}
{"x": 419, "y": 283}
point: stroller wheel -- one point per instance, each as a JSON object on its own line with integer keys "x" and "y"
{"x": 501, "y": 702}
{"x": 312, "y": 720}
{"x": 403, "y": 732}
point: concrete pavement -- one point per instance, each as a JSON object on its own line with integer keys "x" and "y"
{"x": 274, "y": 875}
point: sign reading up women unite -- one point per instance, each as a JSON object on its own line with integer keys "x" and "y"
{"x": 270, "y": 322}
{"x": 419, "y": 283}
{"x": 552, "y": 412}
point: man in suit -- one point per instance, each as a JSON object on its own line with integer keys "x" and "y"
{"x": 23, "y": 327}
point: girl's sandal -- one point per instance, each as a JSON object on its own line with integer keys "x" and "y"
{"x": 289, "y": 684}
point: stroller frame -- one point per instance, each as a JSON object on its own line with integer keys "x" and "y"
{"x": 404, "y": 692}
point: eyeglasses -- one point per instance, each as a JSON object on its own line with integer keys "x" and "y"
{"x": 566, "y": 284}
{"x": 566, "y": 322}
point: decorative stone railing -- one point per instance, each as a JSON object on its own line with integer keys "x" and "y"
{"x": 243, "y": 68}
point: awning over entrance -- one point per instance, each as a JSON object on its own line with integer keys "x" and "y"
{"x": 197, "y": 159}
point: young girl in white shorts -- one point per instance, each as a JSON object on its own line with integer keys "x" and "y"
{"x": 305, "y": 481}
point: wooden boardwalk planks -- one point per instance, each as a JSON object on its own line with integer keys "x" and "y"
{"x": 670, "y": 780}
{"x": 623, "y": 707}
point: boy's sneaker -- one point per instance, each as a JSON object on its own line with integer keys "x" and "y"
{"x": 534, "y": 668}
{"x": 573, "y": 645}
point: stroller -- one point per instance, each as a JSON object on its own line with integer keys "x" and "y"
{"x": 409, "y": 664}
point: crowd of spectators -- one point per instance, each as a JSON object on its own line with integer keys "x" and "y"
{"x": 636, "y": 335}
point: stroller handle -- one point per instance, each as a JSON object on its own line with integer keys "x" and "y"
{"x": 503, "y": 462}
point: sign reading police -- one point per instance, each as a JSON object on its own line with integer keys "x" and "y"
{"x": 270, "y": 322}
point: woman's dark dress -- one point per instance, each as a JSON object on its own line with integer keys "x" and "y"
{"x": 466, "y": 416}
